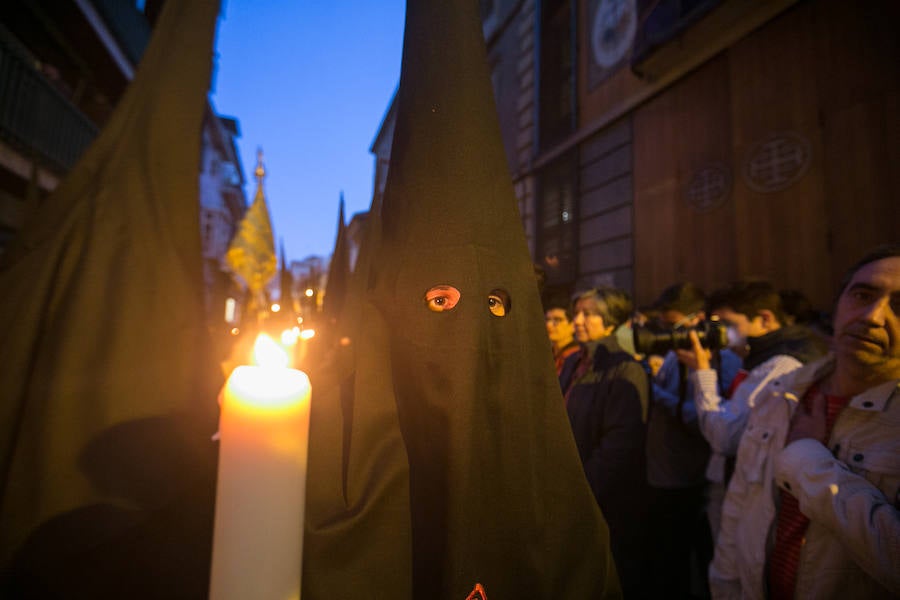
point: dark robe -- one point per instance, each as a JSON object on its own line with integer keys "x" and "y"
{"x": 106, "y": 464}
{"x": 607, "y": 408}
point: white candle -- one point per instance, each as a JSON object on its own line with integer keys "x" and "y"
{"x": 261, "y": 490}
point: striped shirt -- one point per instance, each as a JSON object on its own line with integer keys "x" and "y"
{"x": 791, "y": 525}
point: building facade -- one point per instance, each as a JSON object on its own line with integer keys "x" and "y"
{"x": 309, "y": 279}
{"x": 704, "y": 140}
{"x": 222, "y": 206}
{"x": 63, "y": 68}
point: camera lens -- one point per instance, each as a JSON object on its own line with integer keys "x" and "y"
{"x": 712, "y": 334}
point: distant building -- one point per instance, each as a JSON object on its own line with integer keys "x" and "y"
{"x": 222, "y": 205}
{"x": 309, "y": 276}
{"x": 381, "y": 149}
{"x": 64, "y": 66}
{"x": 354, "y": 231}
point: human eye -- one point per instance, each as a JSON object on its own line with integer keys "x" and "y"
{"x": 495, "y": 304}
{"x": 862, "y": 295}
{"x": 441, "y": 298}
{"x": 498, "y": 303}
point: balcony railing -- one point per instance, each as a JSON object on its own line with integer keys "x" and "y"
{"x": 35, "y": 116}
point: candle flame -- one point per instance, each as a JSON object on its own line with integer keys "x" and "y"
{"x": 267, "y": 353}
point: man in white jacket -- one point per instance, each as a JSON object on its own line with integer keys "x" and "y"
{"x": 812, "y": 508}
{"x": 752, "y": 312}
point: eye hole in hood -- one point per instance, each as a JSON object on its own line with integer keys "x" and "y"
{"x": 499, "y": 303}
{"x": 441, "y": 298}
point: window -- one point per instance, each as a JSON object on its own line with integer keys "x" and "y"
{"x": 556, "y": 72}
{"x": 663, "y": 20}
{"x": 557, "y": 233}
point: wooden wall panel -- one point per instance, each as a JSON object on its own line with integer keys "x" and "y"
{"x": 677, "y": 133}
{"x": 858, "y": 52}
{"x": 781, "y": 235}
{"x": 655, "y": 193}
{"x": 863, "y": 180}
{"x": 613, "y": 224}
{"x": 605, "y": 239}
{"x": 606, "y": 197}
{"x": 826, "y": 70}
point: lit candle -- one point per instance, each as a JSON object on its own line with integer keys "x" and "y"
{"x": 261, "y": 490}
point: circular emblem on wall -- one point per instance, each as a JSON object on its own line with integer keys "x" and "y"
{"x": 613, "y": 30}
{"x": 709, "y": 187}
{"x": 777, "y": 162}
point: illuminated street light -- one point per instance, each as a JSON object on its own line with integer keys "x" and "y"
{"x": 289, "y": 336}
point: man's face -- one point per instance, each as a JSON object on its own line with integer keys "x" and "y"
{"x": 560, "y": 329}
{"x": 867, "y": 319}
{"x": 588, "y": 322}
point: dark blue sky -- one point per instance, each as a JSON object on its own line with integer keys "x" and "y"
{"x": 309, "y": 81}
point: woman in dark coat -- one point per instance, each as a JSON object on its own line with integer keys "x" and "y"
{"x": 606, "y": 392}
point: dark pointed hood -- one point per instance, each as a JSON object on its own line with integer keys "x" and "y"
{"x": 108, "y": 383}
{"x": 338, "y": 272}
{"x": 497, "y": 491}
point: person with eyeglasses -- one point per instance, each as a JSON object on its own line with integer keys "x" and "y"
{"x": 560, "y": 331}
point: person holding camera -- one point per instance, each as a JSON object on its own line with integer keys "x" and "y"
{"x": 677, "y": 453}
{"x": 606, "y": 393}
{"x": 813, "y": 507}
{"x": 752, "y": 314}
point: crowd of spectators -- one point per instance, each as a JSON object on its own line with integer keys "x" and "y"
{"x": 752, "y": 442}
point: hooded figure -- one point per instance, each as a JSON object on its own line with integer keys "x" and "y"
{"x": 496, "y": 492}
{"x": 107, "y": 473}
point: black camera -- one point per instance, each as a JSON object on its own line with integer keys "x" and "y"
{"x": 647, "y": 340}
